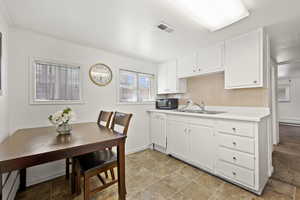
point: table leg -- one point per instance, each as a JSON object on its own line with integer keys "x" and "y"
{"x": 68, "y": 168}
{"x": 22, "y": 180}
{"x": 73, "y": 185}
{"x": 1, "y": 184}
{"x": 121, "y": 171}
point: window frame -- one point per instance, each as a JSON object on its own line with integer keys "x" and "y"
{"x": 138, "y": 102}
{"x": 1, "y": 64}
{"x": 32, "y": 82}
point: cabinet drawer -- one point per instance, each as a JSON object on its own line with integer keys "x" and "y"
{"x": 158, "y": 116}
{"x": 235, "y": 173}
{"x": 236, "y": 143}
{"x": 192, "y": 120}
{"x": 236, "y": 128}
{"x": 235, "y": 157}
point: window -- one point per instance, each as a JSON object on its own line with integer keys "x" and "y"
{"x": 56, "y": 83}
{"x": 135, "y": 87}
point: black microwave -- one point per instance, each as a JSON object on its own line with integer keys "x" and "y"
{"x": 167, "y": 104}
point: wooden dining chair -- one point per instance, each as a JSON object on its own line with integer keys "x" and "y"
{"x": 104, "y": 119}
{"x": 93, "y": 164}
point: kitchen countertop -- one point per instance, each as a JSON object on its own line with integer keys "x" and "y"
{"x": 247, "y": 114}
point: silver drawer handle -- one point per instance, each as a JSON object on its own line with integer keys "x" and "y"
{"x": 233, "y": 173}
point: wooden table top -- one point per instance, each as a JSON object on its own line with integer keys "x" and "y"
{"x": 40, "y": 141}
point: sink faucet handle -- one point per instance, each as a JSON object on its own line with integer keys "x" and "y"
{"x": 189, "y": 101}
{"x": 202, "y": 105}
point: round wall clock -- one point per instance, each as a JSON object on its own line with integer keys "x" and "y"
{"x": 100, "y": 74}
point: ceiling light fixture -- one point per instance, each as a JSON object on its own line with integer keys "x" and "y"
{"x": 213, "y": 14}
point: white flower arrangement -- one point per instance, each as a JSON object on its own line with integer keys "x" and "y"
{"x": 62, "y": 117}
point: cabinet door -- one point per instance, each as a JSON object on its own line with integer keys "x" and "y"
{"x": 210, "y": 59}
{"x": 162, "y": 79}
{"x": 244, "y": 61}
{"x": 158, "y": 129}
{"x": 202, "y": 146}
{"x": 187, "y": 66}
{"x": 172, "y": 81}
{"x": 177, "y": 139}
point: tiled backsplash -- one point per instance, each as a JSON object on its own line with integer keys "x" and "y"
{"x": 210, "y": 89}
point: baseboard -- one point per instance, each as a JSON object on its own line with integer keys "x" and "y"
{"x": 271, "y": 171}
{"x": 290, "y": 121}
{"x": 159, "y": 148}
{"x": 135, "y": 150}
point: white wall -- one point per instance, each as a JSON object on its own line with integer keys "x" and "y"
{"x": 289, "y": 112}
{"x": 3, "y": 96}
{"x": 9, "y": 190}
{"x": 26, "y": 44}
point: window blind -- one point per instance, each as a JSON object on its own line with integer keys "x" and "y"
{"x": 56, "y": 82}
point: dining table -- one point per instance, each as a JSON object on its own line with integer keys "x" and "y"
{"x": 34, "y": 146}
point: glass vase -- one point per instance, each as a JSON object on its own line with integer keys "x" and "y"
{"x": 64, "y": 129}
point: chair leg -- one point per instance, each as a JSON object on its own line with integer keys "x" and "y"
{"x": 101, "y": 179}
{"x": 68, "y": 168}
{"x": 106, "y": 174}
{"x": 112, "y": 173}
{"x": 77, "y": 175}
{"x": 86, "y": 188}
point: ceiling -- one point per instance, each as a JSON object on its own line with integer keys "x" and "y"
{"x": 285, "y": 40}
{"x": 289, "y": 70}
{"x": 128, "y": 27}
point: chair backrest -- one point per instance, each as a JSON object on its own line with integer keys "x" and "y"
{"x": 121, "y": 119}
{"x": 104, "y": 117}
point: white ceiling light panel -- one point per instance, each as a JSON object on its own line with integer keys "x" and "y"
{"x": 213, "y": 14}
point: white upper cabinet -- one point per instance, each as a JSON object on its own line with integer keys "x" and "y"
{"x": 244, "y": 61}
{"x": 210, "y": 59}
{"x": 206, "y": 60}
{"x": 167, "y": 81}
{"x": 187, "y": 66}
{"x": 162, "y": 74}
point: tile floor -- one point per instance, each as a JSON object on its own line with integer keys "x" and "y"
{"x": 154, "y": 176}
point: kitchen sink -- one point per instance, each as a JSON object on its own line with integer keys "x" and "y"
{"x": 209, "y": 112}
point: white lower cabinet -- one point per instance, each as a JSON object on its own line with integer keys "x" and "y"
{"x": 237, "y": 151}
{"x": 202, "y": 148}
{"x": 177, "y": 131}
{"x": 238, "y": 143}
{"x": 158, "y": 129}
{"x": 191, "y": 142}
{"x": 237, "y": 158}
{"x": 235, "y": 173}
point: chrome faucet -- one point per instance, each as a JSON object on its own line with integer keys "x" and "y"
{"x": 201, "y": 106}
